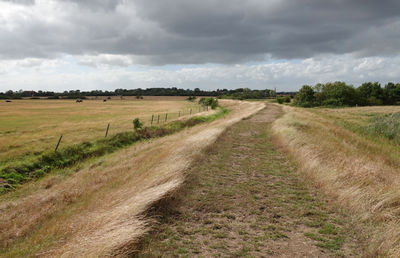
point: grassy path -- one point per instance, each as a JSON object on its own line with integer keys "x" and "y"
{"x": 243, "y": 198}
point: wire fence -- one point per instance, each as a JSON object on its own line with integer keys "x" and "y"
{"x": 155, "y": 120}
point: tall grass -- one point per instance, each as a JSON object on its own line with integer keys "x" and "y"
{"x": 13, "y": 175}
{"x": 386, "y": 125}
{"x": 361, "y": 173}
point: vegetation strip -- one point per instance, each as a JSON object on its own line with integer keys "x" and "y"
{"x": 244, "y": 199}
{"x": 13, "y": 175}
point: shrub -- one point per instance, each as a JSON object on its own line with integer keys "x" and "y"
{"x": 305, "y": 97}
{"x": 213, "y": 102}
{"x": 137, "y": 124}
{"x": 281, "y": 100}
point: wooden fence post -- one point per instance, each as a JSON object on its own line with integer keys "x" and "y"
{"x": 108, "y": 127}
{"x": 166, "y": 117}
{"x": 190, "y": 111}
{"x": 158, "y": 119}
{"x": 152, "y": 117}
{"x": 58, "y": 143}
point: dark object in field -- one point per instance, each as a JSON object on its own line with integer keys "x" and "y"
{"x": 104, "y": 100}
{"x": 8, "y": 101}
{"x": 108, "y": 97}
{"x": 58, "y": 143}
{"x": 78, "y": 100}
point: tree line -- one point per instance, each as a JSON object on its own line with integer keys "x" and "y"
{"x": 240, "y": 93}
{"x": 341, "y": 94}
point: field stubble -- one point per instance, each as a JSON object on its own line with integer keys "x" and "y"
{"x": 28, "y": 127}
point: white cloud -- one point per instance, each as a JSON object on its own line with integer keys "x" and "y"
{"x": 105, "y": 60}
{"x": 284, "y": 75}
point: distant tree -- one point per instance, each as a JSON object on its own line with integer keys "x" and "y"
{"x": 337, "y": 94}
{"x": 305, "y": 97}
{"x": 391, "y": 93}
{"x": 370, "y": 94}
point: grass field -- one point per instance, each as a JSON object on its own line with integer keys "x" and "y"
{"x": 31, "y": 126}
{"x": 96, "y": 207}
{"x": 352, "y": 155}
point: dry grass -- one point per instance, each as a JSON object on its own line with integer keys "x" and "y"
{"x": 242, "y": 198}
{"x": 98, "y": 210}
{"x": 29, "y": 126}
{"x": 360, "y": 173}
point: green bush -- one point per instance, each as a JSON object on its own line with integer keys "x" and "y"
{"x": 212, "y": 102}
{"x": 305, "y": 97}
{"x": 281, "y": 100}
{"x": 137, "y": 124}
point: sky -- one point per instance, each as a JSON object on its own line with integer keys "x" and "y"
{"x": 62, "y": 45}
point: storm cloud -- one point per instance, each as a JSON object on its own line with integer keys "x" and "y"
{"x": 198, "y": 32}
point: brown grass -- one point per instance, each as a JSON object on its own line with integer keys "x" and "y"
{"x": 29, "y": 126}
{"x": 360, "y": 174}
{"x": 242, "y": 198}
{"x": 98, "y": 209}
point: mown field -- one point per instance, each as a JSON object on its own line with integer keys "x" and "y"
{"x": 28, "y": 127}
{"x": 353, "y": 155}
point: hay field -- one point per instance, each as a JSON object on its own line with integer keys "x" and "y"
{"x": 30, "y": 126}
{"x": 360, "y": 170}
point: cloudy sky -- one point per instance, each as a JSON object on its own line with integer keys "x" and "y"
{"x": 108, "y": 44}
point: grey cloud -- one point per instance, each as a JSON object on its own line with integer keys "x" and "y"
{"x": 208, "y": 31}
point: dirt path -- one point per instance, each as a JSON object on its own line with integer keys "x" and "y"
{"x": 243, "y": 198}
{"x": 96, "y": 208}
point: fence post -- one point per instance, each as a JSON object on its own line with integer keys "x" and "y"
{"x": 166, "y": 117}
{"x": 108, "y": 127}
{"x": 58, "y": 143}
{"x": 190, "y": 111}
{"x": 158, "y": 119}
{"x": 207, "y": 107}
{"x": 152, "y": 117}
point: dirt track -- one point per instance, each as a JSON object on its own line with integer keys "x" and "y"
{"x": 97, "y": 209}
{"x": 244, "y": 199}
